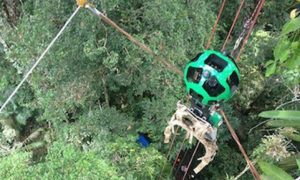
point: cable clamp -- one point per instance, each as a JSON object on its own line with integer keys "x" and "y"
{"x": 82, "y": 3}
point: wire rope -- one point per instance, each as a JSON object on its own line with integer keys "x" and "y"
{"x": 38, "y": 61}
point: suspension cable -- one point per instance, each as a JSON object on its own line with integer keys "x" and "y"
{"x": 231, "y": 130}
{"x": 179, "y": 166}
{"x": 235, "y": 137}
{"x": 190, "y": 162}
{"x": 246, "y": 27}
{"x": 177, "y": 156}
{"x": 256, "y": 13}
{"x": 215, "y": 25}
{"x": 169, "y": 151}
{"x": 141, "y": 45}
{"x": 38, "y": 61}
{"x": 233, "y": 24}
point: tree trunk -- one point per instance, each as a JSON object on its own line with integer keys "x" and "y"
{"x": 12, "y": 11}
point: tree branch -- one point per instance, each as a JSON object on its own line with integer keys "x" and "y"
{"x": 105, "y": 91}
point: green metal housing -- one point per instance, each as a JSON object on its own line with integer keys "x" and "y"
{"x": 211, "y": 77}
{"x": 215, "y": 119}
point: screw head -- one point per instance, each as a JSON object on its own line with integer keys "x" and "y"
{"x": 206, "y": 74}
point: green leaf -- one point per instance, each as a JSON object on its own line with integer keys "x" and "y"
{"x": 35, "y": 145}
{"x": 298, "y": 163}
{"x": 274, "y": 172}
{"x": 293, "y": 61}
{"x": 288, "y": 163}
{"x": 265, "y": 177}
{"x": 23, "y": 116}
{"x": 292, "y": 136}
{"x": 295, "y": 46}
{"x": 271, "y": 69}
{"x": 284, "y": 55}
{"x": 282, "y": 50}
{"x": 284, "y": 123}
{"x": 292, "y": 115}
{"x": 269, "y": 63}
{"x": 291, "y": 26}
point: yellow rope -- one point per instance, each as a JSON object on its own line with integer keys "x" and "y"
{"x": 81, "y": 3}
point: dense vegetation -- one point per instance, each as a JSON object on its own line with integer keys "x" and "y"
{"x": 80, "y": 112}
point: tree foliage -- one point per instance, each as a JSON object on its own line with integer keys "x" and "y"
{"x": 79, "y": 113}
{"x": 286, "y": 53}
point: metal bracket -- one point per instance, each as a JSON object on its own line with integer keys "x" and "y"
{"x": 195, "y": 127}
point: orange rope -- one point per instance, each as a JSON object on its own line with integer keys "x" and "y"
{"x": 233, "y": 24}
{"x": 169, "y": 151}
{"x": 215, "y": 25}
{"x": 235, "y": 137}
{"x": 255, "y": 14}
{"x": 135, "y": 41}
{"x": 182, "y": 161}
{"x": 172, "y": 142}
{"x": 231, "y": 130}
{"x": 177, "y": 156}
{"x": 188, "y": 167}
